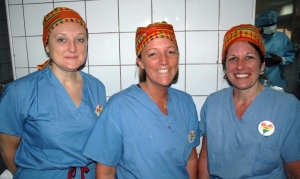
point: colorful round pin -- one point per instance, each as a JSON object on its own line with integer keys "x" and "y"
{"x": 266, "y": 128}
{"x": 191, "y": 136}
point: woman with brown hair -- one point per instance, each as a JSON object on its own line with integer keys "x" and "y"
{"x": 249, "y": 130}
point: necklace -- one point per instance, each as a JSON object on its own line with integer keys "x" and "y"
{"x": 165, "y": 104}
{"x": 155, "y": 100}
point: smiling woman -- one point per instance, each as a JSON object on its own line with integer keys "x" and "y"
{"x": 149, "y": 130}
{"x": 67, "y": 47}
{"x": 159, "y": 60}
{"x": 243, "y": 66}
{"x": 244, "y": 133}
{"x": 48, "y": 115}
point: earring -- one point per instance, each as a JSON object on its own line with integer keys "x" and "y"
{"x": 261, "y": 73}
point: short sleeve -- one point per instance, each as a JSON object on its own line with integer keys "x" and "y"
{"x": 195, "y": 125}
{"x": 202, "y": 122}
{"x": 104, "y": 144}
{"x": 191, "y": 111}
{"x": 12, "y": 119}
{"x": 291, "y": 146}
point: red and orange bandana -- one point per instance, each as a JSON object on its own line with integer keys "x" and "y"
{"x": 243, "y": 32}
{"x": 53, "y": 19}
{"x": 59, "y": 16}
{"x": 156, "y": 30}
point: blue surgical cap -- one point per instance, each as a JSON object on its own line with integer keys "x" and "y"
{"x": 266, "y": 18}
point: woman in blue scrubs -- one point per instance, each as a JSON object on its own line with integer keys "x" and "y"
{"x": 249, "y": 130}
{"x": 148, "y": 130}
{"x": 46, "y": 117}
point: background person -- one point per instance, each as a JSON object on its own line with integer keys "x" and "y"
{"x": 148, "y": 130}
{"x": 249, "y": 130}
{"x": 47, "y": 116}
{"x": 279, "y": 48}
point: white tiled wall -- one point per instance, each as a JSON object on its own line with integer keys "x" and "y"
{"x": 199, "y": 24}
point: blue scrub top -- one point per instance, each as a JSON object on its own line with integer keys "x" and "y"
{"x": 38, "y": 109}
{"x": 142, "y": 142}
{"x": 236, "y": 148}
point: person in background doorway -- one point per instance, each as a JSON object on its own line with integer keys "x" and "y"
{"x": 148, "y": 130}
{"x": 249, "y": 130}
{"x": 279, "y": 49}
{"x": 47, "y": 116}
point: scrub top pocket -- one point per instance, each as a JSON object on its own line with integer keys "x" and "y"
{"x": 266, "y": 160}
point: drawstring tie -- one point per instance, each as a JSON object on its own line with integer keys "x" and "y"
{"x": 72, "y": 172}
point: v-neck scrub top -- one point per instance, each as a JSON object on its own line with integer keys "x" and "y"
{"x": 142, "y": 142}
{"x": 38, "y": 109}
{"x": 236, "y": 148}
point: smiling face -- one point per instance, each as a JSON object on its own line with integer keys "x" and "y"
{"x": 159, "y": 59}
{"x": 67, "y": 46}
{"x": 243, "y": 65}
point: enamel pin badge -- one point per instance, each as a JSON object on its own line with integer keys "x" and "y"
{"x": 266, "y": 128}
{"x": 191, "y": 136}
{"x": 98, "y": 110}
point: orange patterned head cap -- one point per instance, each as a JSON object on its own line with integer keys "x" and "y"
{"x": 156, "y": 30}
{"x": 59, "y": 16}
{"x": 243, "y": 32}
